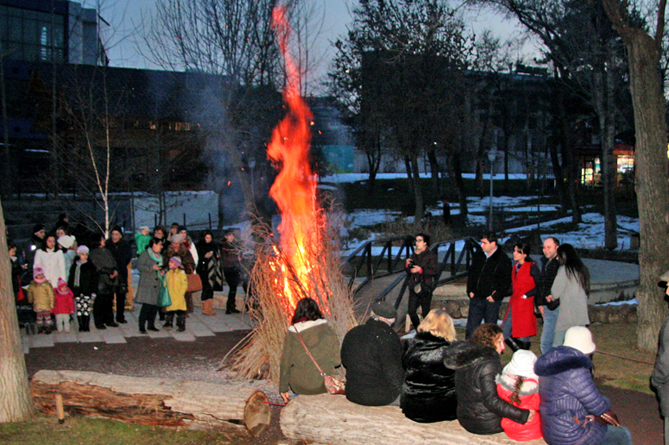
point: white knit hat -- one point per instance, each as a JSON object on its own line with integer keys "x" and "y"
{"x": 579, "y": 337}
{"x": 66, "y": 241}
{"x": 521, "y": 364}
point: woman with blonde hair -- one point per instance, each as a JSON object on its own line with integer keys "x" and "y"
{"x": 428, "y": 393}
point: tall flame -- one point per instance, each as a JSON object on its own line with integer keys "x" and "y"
{"x": 294, "y": 189}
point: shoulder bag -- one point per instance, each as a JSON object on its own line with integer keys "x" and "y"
{"x": 194, "y": 282}
{"x": 333, "y": 384}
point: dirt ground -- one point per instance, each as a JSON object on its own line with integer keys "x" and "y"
{"x": 199, "y": 360}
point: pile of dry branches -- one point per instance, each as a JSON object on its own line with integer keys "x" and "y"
{"x": 273, "y": 279}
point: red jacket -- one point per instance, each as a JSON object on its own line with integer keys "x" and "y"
{"x": 529, "y": 399}
{"x": 64, "y": 303}
{"x": 524, "y": 322}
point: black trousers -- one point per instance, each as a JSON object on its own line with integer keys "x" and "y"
{"x": 232, "y": 278}
{"x": 207, "y": 290}
{"x": 414, "y": 302}
{"x": 147, "y": 316}
{"x": 103, "y": 312}
{"x": 120, "y": 306}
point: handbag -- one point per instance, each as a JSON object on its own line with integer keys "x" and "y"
{"x": 164, "y": 299}
{"x": 333, "y": 384}
{"x": 608, "y": 418}
{"x": 422, "y": 289}
{"x": 194, "y": 282}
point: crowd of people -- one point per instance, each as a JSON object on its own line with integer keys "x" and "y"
{"x": 83, "y": 274}
{"x": 433, "y": 377}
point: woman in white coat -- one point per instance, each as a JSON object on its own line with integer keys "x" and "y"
{"x": 51, "y": 260}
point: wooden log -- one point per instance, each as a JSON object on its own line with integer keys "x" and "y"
{"x": 151, "y": 401}
{"x": 333, "y": 419}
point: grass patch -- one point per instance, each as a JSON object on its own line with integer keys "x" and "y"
{"x": 45, "y": 430}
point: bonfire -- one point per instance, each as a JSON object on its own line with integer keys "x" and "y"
{"x": 303, "y": 259}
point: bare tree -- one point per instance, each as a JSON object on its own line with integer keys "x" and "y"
{"x": 644, "y": 50}
{"x": 15, "y": 399}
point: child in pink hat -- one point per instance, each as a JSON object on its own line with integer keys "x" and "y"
{"x": 40, "y": 295}
{"x": 64, "y": 306}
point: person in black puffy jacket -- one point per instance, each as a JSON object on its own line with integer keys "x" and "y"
{"x": 477, "y": 364}
{"x": 428, "y": 394}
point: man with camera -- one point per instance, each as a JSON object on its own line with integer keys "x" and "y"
{"x": 422, "y": 268}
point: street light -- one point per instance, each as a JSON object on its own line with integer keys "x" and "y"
{"x": 492, "y": 155}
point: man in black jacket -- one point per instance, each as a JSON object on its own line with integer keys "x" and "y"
{"x": 488, "y": 282}
{"x": 123, "y": 255}
{"x": 422, "y": 268}
{"x": 549, "y": 268}
{"x": 372, "y": 356}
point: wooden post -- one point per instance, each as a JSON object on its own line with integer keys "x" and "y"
{"x": 59, "y": 409}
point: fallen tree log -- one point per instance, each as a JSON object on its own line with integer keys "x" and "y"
{"x": 333, "y": 419}
{"x": 151, "y": 401}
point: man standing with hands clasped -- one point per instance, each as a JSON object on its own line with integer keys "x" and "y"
{"x": 488, "y": 281}
{"x": 422, "y": 268}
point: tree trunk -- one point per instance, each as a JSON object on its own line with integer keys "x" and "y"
{"x": 651, "y": 185}
{"x": 434, "y": 172}
{"x": 409, "y": 169}
{"x": 417, "y": 189}
{"x": 351, "y": 424}
{"x": 15, "y": 401}
{"x": 460, "y": 184}
{"x": 151, "y": 401}
{"x": 568, "y": 162}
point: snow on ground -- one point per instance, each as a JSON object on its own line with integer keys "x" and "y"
{"x": 341, "y": 178}
{"x": 199, "y": 206}
{"x": 590, "y": 233}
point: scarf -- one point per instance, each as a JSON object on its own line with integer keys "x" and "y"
{"x": 158, "y": 258}
{"x": 77, "y": 273}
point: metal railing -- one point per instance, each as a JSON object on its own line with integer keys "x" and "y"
{"x": 396, "y": 250}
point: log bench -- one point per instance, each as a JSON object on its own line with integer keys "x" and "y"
{"x": 333, "y": 419}
{"x": 152, "y": 401}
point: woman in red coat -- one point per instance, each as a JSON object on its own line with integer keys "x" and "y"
{"x": 520, "y": 323}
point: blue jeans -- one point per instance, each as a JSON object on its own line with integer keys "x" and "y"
{"x": 548, "y": 331}
{"x": 617, "y": 435}
{"x": 480, "y": 310}
{"x": 507, "y": 327}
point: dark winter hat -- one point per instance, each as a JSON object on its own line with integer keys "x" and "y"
{"x": 384, "y": 309}
{"x": 38, "y": 228}
{"x": 182, "y": 228}
{"x": 116, "y": 228}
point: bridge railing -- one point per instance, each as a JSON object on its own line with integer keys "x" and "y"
{"x": 394, "y": 252}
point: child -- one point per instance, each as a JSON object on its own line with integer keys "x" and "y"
{"x": 177, "y": 283}
{"x": 142, "y": 239}
{"x": 519, "y": 386}
{"x": 83, "y": 282}
{"x": 64, "y": 306}
{"x": 40, "y": 295}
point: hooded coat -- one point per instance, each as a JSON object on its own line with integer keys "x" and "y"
{"x": 372, "y": 356}
{"x": 529, "y": 399}
{"x": 428, "y": 393}
{"x": 480, "y": 408}
{"x": 298, "y": 372}
{"x": 568, "y": 395}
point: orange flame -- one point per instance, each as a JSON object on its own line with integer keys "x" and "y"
{"x": 294, "y": 189}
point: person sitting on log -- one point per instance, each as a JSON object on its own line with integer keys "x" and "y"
{"x": 372, "y": 356}
{"x": 477, "y": 363}
{"x": 298, "y": 372}
{"x": 428, "y": 394}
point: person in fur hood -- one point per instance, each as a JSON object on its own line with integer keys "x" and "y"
{"x": 477, "y": 364}
{"x": 298, "y": 373}
{"x": 519, "y": 385}
{"x": 428, "y": 393}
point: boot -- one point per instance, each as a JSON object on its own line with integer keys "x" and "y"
{"x": 80, "y": 322}
{"x": 181, "y": 324}
{"x": 86, "y": 319}
{"x": 207, "y": 307}
{"x": 511, "y": 343}
{"x": 524, "y": 345}
{"x": 169, "y": 320}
